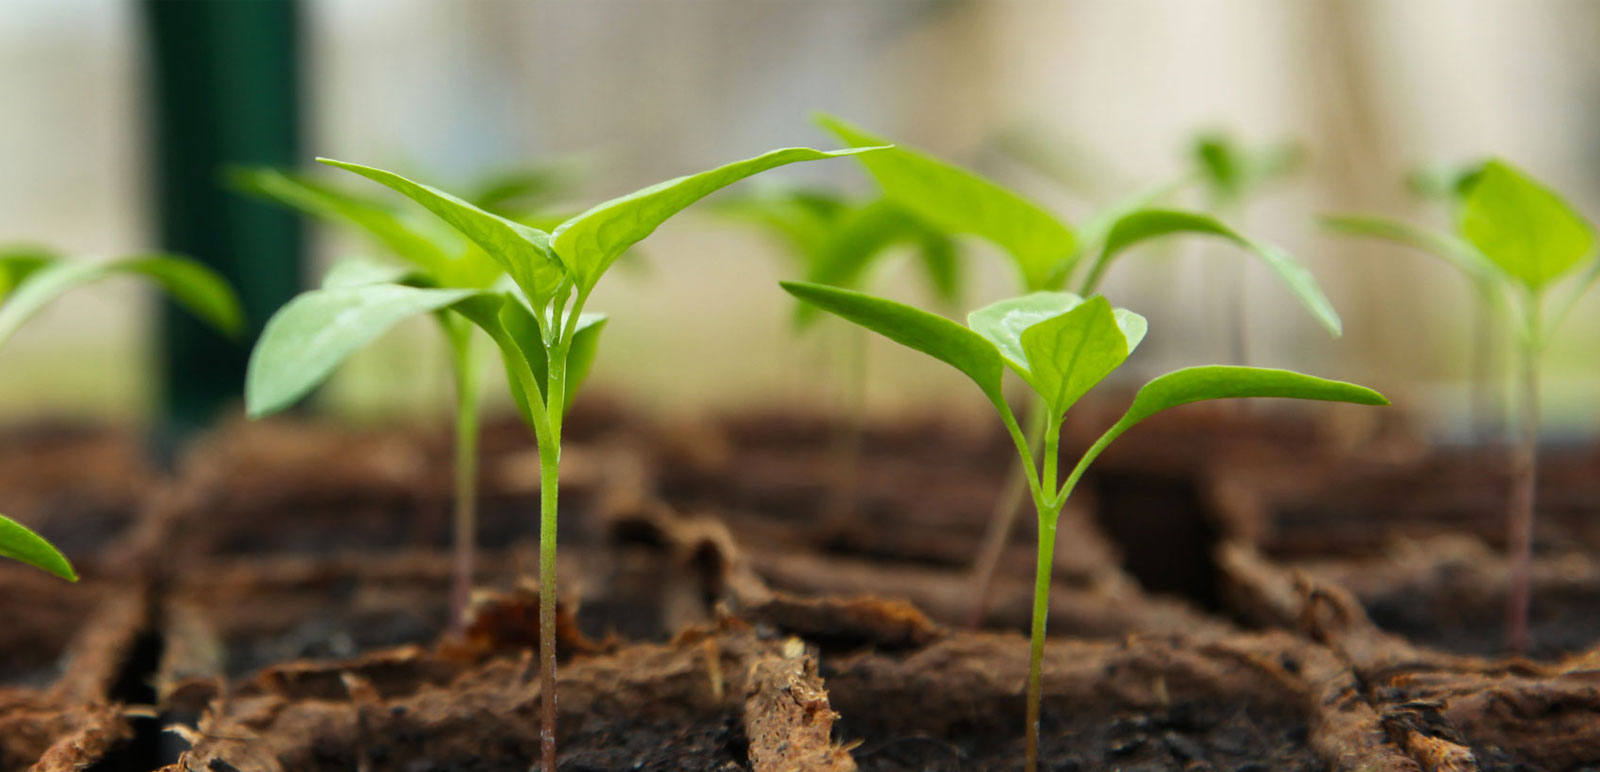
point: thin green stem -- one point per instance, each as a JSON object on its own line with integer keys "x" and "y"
{"x": 1524, "y": 483}
{"x": 1049, "y": 511}
{"x": 1004, "y": 517}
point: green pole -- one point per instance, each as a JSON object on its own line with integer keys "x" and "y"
{"x": 223, "y": 85}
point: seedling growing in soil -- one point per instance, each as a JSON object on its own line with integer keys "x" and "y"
{"x": 1048, "y": 255}
{"x": 427, "y": 254}
{"x": 1516, "y": 239}
{"x": 535, "y": 316}
{"x": 1061, "y": 346}
{"x": 31, "y": 278}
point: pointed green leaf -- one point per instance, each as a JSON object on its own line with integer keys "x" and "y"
{"x": 1071, "y": 353}
{"x": 592, "y": 241}
{"x": 1452, "y": 250}
{"x": 1523, "y": 226}
{"x": 1197, "y": 384}
{"x": 1149, "y": 224}
{"x": 197, "y": 288}
{"x": 312, "y": 334}
{"x": 522, "y": 251}
{"x": 19, "y": 543}
{"x": 377, "y": 220}
{"x": 956, "y": 201}
{"x": 931, "y": 334}
{"x": 17, "y": 263}
{"x": 1003, "y": 322}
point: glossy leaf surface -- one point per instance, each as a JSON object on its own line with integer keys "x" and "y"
{"x": 1071, "y": 353}
{"x": 589, "y": 243}
{"x": 1198, "y": 384}
{"x": 19, "y": 543}
{"x": 956, "y": 201}
{"x": 931, "y": 334}
{"x": 312, "y": 334}
{"x": 523, "y": 252}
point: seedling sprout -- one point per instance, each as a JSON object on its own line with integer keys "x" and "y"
{"x": 31, "y": 278}
{"x": 1061, "y": 346}
{"x": 1050, "y": 256}
{"x": 535, "y": 316}
{"x": 1516, "y": 239}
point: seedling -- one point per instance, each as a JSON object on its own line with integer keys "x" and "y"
{"x": 31, "y": 278}
{"x": 1061, "y": 346}
{"x": 1516, "y": 239}
{"x": 1048, "y": 255}
{"x": 535, "y": 316}
{"x": 426, "y": 254}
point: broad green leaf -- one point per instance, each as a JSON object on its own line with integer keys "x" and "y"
{"x": 522, "y": 251}
{"x": 801, "y": 219}
{"x": 17, "y": 263}
{"x": 374, "y": 218}
{"x": 197, "y": 288}
{"x": 1003, "y": 322}
{"x": 1454, "y": 251}
{"x": 516, "y": 331}
{"x": 355, "y": 272}
{"x": 1198, "y": 384}
{"x": 1523, "y": 226}
{"x": 1148, "y": 224}
{"x": 589, "y": 243}
{"x": 956, "y": 201}
{"x": 19, "y": 543}
{"x": 312, "y": 334}
{"x": 931, "y": 334}
{"x": 941, "y": 264}
{"x": 1071, "y": 353}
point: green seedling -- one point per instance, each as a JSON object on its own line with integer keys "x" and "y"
{"x": 1516, "y": 240}
{"x": 425, "y": 252}
{"x": 1061, "y": 346}
{"x": 835, "y": 239}
{"x": 31, "y": 278}
{"x": 535, "y": 316}
{"x": 1050, "y": 256}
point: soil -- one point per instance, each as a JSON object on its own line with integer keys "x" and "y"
{"x": 730, "y": 602}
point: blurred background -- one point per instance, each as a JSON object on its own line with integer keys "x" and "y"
{"x": 108, "y": 106}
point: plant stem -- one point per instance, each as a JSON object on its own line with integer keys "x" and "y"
{"x": 549, "y": 473}
{"x": 465, "y": 360}
{"x": 1002, "y": 520}
{"x": 1049, "y": 510}
{"x": 1524, "y": 483}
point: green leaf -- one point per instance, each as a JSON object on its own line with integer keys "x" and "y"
{"x": 374, "y": 218}
{"x": 1148, "y": 224}
{"x": 1454, "y": 251}
{"x": 956, "y": 201}
{"x": 1523, "y": 226}
{"x": 19, "y": 543}
{"x": 1002, "y": 323}
{"x": 1197, "y": 384}
{"x": 17, "y": 263}
{"x": 312, "y": 334}
{"x": 590, "y": 242}
{"x": 931, "y": 334}
{"x": 522, "y": 251}
{"x": 197, "y": 288}
{"x": 1071, "y": 353}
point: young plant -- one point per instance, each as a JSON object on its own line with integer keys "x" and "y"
{"x": 1061, "y": 346}
{"x": 425, "y": 253}
{"x": 535, "y": 316}
{"x": 1516, "y": 239}
{"x": 31, "y": 278}
{"x": 1048, "y": 255}
{"x": 835, "y": 239}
